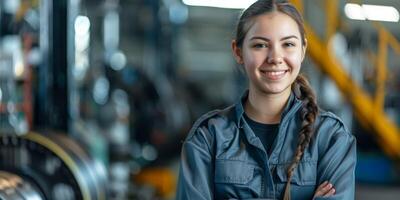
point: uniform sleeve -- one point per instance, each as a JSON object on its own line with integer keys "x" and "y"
{"x": 337, "y": 164}
{"x": 196, "y": 168}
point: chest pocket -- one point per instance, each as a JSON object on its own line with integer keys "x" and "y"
{"x": 236, "y": 180}
{"x": 303, "y": 182}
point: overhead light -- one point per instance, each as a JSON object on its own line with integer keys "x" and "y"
{"x": 381, "y": 13}
{"x": 231, "y": 4}
{"x": 354, "y": 11}
{"x": 371, "y": 12}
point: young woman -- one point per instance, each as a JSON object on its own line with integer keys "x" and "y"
{"x": 275, "y": 143}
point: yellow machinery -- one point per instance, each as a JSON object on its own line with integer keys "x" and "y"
{"x": 368, "y": 109}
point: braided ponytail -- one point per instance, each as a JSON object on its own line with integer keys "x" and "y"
{"x": 309, "y": 111}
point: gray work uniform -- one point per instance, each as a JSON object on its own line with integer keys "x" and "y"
{"x": 222, "y": 158}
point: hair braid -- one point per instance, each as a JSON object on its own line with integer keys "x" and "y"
{"x": 309, "y": 111}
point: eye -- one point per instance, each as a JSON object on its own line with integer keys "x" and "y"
{"x": 289, "y": 44}
{"x": 260, "y": 45}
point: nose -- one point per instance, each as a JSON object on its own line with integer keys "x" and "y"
{"x": 275, "y": 56}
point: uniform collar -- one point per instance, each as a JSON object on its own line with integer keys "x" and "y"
{"x": 239, "y": 107}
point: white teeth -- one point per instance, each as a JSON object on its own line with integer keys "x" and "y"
{"x": 276, "y": 73}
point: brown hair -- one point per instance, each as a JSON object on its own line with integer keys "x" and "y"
{"x": 262, "y": 7}
{"x": 301, "y": 88}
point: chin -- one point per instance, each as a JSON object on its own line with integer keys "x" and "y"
{"x": 275, "y": 90}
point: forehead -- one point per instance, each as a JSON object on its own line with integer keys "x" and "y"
{"x": 273, "y": 24}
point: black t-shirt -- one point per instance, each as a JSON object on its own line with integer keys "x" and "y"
{"x": 266, "y": 132}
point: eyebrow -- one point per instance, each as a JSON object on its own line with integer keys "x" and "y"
{"x": 266, "y": 39}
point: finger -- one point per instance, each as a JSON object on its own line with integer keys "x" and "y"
{"x": 318, "y": 191}
{"x": 322, "y": 185}
{"x": 330, "y": 192}
{"x": 325, "y": 189}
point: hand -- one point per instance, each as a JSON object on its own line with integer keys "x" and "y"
{"x": 326, "y": 189}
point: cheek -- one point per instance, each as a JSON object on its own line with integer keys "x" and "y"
{"x": 294, "y": 60}
{"x": 253, "y": 60}
{"x": 250, "y": 66}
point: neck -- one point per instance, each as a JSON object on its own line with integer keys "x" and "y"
{"x": 266, "y": 108}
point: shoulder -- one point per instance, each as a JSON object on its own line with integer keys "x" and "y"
{"x": 332, "y": 124}
{"x": 203, "y": 132}
{"x": 330, "y": 131}
{"x": 214, "y": 118}
{"x": 333, "y": 139}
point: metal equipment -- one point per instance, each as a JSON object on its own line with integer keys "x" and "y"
{"x": 52, "y": 166}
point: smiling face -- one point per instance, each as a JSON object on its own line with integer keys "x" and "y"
{"x": 272, "y": 52}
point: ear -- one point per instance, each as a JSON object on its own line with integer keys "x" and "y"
{"x": 237, "y": 52}
{"x": 304, "y": 49}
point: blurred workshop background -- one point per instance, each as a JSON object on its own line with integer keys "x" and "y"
{"x": 97, "y": 95}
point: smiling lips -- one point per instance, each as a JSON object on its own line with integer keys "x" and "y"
{"x": 274, "y": 75}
